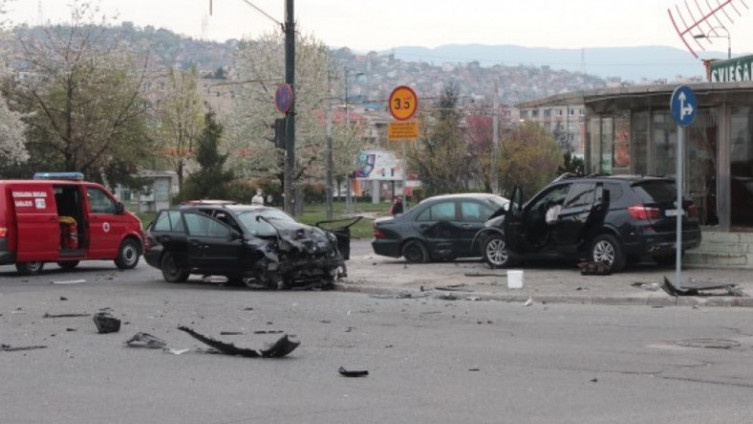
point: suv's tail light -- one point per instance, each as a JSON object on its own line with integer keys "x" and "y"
{"x": 643, "y": 213}
{"x": 3, "y": 231}
{"x": 378, "y": 234}
{"x": 147, "y": 243}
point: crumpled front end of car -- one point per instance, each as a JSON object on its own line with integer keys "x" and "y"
{"x": 300, "y": 257}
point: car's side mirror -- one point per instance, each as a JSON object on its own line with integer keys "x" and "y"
{"x": 119, "y": 208}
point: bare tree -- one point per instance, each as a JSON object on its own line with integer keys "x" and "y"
{"x": 84, "y": 94}
{"x": 12, "y": 129}
{"x": 441, "y": 156}
{"x": 260, "y": 68}
{"x": 179, "y": 119}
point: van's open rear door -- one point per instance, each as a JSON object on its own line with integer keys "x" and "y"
{"x": 38, "y": 237}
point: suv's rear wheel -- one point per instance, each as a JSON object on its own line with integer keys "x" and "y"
{"x": 605, "y": 248}
{"x": 495, "y": 252}
{"x": 415, "y": 252}
{"x": 171, "y": 271}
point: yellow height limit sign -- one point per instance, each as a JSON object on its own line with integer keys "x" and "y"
{"x": 403, "y": 104}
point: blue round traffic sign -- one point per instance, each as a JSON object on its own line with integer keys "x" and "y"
{"x": 683, "y": 105}
{"x": 284, "y": 98}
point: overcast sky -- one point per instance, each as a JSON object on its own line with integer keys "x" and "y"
{"x": 365, "y": 25}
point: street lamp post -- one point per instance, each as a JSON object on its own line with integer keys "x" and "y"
{"x": 712, "y": 34}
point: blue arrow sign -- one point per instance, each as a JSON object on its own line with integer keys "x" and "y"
{"x": 683, "y": 105}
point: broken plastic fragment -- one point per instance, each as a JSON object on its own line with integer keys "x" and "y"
{"x": 48, "y": 315}
{"x": 146, "y": 340}
{"x": 9, "y": 348}
{"x": 352, "y": 373}
{"x": 106, "y": 323}
{"x": 69, "y": 282}
{"x": 279, "y": 349}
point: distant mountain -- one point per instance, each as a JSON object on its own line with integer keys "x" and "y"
{"x": 633, "y": 64}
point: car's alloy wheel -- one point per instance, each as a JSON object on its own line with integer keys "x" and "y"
{"x": 495, "y": 252}
{"x": 415, "y": 252}
{"x": 128, "y": 254}
{"x": 606, "y": 249}
{"x": 171, "y": 272}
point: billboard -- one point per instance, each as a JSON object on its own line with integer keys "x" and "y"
{"x": 378, "y": 165}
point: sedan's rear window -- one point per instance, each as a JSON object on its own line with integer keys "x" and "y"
{"x": 658, "y": 191}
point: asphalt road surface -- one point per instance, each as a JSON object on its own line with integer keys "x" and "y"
{"x": 429, "y": 360}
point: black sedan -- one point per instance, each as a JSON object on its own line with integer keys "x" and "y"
{"x": 253, "y": 245}
{"x": 439, "y": 228}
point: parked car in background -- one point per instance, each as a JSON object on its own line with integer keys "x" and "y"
{"x": 437, "y": 228}
{"x": 609, "y": 219}
{"x": 248, "y": 244}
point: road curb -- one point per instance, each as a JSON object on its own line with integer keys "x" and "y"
{"x": 653, "y": 301}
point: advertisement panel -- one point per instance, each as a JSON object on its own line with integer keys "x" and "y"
{"x": 378, "y": 165}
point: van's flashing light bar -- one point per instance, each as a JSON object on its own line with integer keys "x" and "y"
{"x": 59, "y": 176}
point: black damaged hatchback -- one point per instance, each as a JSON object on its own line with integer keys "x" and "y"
{"x": 249, "y": 244}
{"x": 613, "y": 220}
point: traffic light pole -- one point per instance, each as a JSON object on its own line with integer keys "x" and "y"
{"x": 288, "y": 189}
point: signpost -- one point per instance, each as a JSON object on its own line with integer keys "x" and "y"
{"x": 403, "y": 103}
{"x": 683, "y": 106}
{"x": 284, "y": 98}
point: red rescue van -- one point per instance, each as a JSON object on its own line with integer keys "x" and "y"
{"x": 58, "y": 217}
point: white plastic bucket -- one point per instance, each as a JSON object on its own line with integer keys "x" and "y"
{"x": 515, "y": 279}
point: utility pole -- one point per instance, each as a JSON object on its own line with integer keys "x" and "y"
{"x": 495, "y": 141}
{"x": 330, "y": 164}
{"x": 289, "y": 171}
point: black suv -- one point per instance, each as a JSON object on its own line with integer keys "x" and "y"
{"x": 607, "y": 219}
{"x": 255, "y": 245}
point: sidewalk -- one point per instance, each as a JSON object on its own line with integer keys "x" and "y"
{"x": 562, "y": 283}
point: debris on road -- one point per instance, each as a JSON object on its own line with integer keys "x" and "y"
{"x": 48, "y": 315}
{"x": 282, "y": 347}
{"x": 594, "y": 268}
{"x": 106, "y": 323}
{"x": 646, "y": 286}
{"x": 69, "y": 282}
{"x": 146, "y": 340}
{"x": 696, "y": 289}
{"x": 454, "y": 287}
{"x": 529, "y": 302}
{"x": 9, "y": 348}
{"x": 484, "y": 274}
{"x": 352, "y": 373}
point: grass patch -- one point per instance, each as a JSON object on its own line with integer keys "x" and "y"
{"x": 313, "y": 213}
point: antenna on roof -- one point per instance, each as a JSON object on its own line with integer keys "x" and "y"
{"x": 702, "y": 19}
